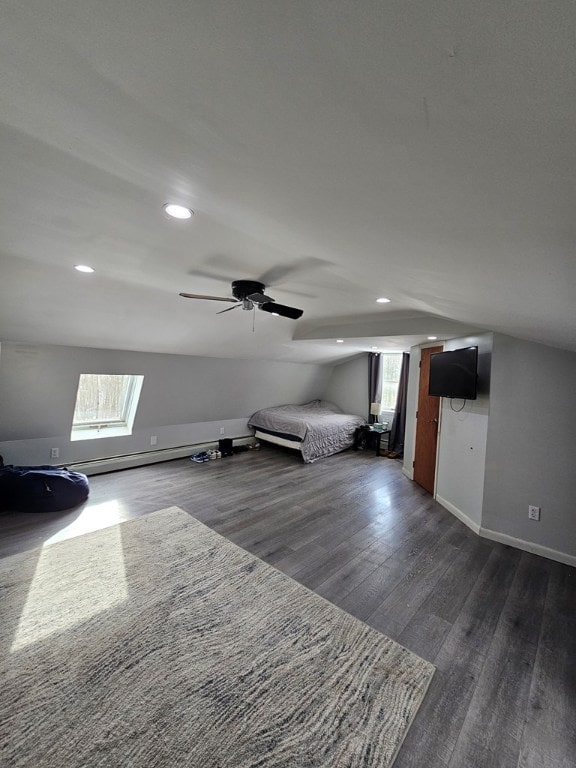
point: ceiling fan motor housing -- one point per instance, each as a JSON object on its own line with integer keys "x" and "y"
{"x": 241, "y": 289}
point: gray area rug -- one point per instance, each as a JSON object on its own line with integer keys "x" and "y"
{"x": 157, "y": 642}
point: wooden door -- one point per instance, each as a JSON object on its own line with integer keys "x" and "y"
{"x": 426, "y": 426}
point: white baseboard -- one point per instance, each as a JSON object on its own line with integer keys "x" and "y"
{"x": 462, "y": 516}
{"x": 528, "y": 546}
{"x": 408, "y": 472}
{"x": 113, "y": 463}
{"x": 504, "y": 538}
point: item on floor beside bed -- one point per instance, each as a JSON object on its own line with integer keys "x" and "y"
{"x": 317, "y": 428}
{"x": 370, "y": 438}
{"x": 41, "y": 489}
{"x": 225, "y": 446}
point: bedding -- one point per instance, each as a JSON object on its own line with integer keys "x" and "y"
{"x": 317, "y": 428}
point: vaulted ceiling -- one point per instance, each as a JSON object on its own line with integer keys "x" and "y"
{"x": 347, "y": 149}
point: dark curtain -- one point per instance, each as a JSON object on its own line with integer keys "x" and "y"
{"x": 374, "y": 382}
{"x": 396, "y": 441}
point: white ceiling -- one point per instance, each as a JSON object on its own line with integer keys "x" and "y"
{"x": 416, "y": 150}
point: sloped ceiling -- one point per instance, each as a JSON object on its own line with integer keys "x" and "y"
{"x": 420, "y": 151}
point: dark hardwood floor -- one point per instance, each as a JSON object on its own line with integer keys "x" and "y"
{"x": 499, "y": 624}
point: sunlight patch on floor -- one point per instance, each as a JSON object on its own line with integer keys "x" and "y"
{"x": 92, "y": 518}
{"x": 73, "y": 581}
{"x": 382, "y": 497}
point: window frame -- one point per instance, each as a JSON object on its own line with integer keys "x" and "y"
{"x": 392, "y": 408}
{"x": 113, "y": 427}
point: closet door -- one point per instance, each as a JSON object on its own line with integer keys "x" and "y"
{"x": 427, "y": 417}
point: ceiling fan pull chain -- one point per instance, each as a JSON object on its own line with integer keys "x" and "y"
{"x": 253, "y": 319}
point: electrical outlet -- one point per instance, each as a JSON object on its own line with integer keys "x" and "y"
{"x": 221, "y": 430}
{"x": 153, "y": 440}
{"x": 534, "y": 512}
{"x": 54, "y": 453}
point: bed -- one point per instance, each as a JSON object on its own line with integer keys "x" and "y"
{"x": 316, "y": 429}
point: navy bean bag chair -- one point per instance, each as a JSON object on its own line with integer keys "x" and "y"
{"x": 41, "y": 489}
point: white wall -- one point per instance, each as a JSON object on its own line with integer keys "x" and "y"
{"x": 184, "y": 400}
{"x": 531, "y": 448}
{"x": 461, "y": 455}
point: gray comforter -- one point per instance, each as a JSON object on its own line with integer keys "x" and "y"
{"x": 321, "y": 427}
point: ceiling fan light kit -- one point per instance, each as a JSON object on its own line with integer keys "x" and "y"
{"x": 248, "y": 293}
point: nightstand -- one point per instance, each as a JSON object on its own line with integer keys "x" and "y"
{"x": 368, "y": 438}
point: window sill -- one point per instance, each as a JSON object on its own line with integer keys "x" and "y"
{"x": 98, "y": 434}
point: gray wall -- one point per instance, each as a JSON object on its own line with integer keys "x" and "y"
{"x": 531, "y": 449}
{"x": 184, "y": 400}
{"x": 511, "y": 447}
{"x": 347, "y": 386}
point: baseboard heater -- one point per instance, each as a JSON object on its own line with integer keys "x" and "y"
{"x": 127, "y": 460}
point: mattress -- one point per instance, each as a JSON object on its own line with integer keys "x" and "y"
{"x": 317, "y": 428}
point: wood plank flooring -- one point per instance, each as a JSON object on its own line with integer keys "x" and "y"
{"x": 499, "y": 624}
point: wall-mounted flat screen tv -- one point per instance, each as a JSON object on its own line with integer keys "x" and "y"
{"x": 454, "y": 373}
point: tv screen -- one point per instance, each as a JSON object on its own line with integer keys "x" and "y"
{"x": 454, "y": 374}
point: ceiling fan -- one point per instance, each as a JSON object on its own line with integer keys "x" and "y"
{"x": 247, "y": 294}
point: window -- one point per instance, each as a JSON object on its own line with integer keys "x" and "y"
{"x": 105, "y": 405}
{"x": 391, "y": 365}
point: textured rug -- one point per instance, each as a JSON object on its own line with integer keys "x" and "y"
{"x": 157, "y": 642}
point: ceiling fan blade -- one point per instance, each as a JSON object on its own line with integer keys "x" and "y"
{"x": 259, "y": 298}
{"x": 277, "y": 274}
{"x": 196, "y": 272}
{"x": 282, "y": 310}
{"x": 210, "y": 298}
{"x": 239, "y": 304}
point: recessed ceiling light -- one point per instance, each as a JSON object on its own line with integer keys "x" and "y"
{"x": 339, "y": 341}
{"x": 382, "y": 301}
{"x": 178, "y": 211}
{"x": 432, "y": 338}
{"x": 83, "y": 268}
